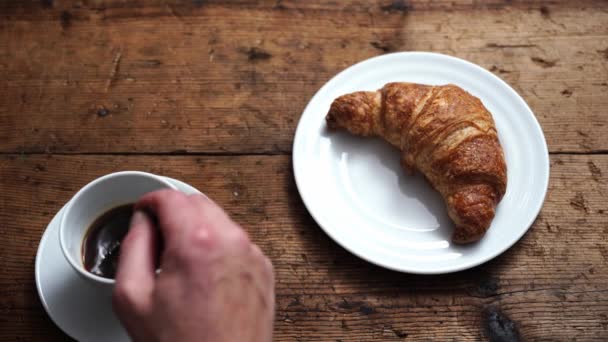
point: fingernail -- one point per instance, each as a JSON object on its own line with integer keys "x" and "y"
{"x": 138, "y": 218}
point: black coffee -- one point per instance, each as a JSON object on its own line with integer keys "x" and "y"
{"x": 101, "y": 244}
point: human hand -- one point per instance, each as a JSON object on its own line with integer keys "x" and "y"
{"x": 215, "y": 284}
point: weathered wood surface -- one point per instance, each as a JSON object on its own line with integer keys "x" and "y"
{"x": 206, "y": 77}
{"x": 90, "y": 87}
{"x": 553, "y": 283}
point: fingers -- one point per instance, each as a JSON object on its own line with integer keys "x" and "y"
{"x": 192, "y": 226}
{"x": 163, "y": 203}
{"x": 214, "y": 216}
{"x": 179, "y": 213}
{"x": 171, "y": 208}
{"x": 136, "y": 267}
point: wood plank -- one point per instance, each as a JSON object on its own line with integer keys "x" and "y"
{"x": 553, "y": 284}
{"x": 232, "y": 78}
{"x": 40, "y": 9}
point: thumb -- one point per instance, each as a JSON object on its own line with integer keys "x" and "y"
{"x": 135, "y": 277}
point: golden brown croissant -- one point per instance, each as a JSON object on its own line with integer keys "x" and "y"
{"x": 445, "y": 133}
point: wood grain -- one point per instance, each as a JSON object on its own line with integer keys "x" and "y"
{"x": 552, "y": 284}
{"x": 207, "y": 77}
{"x": 211, "y": 91}
{"x": 33, "y": 8}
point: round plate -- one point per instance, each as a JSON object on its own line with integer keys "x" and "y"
{"x": 81, "y": 309}
{"x": 357, "y": 192}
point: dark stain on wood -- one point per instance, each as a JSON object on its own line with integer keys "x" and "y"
{"x": 488, "y": 287}
{"x": 255, "y": 54}
{"x": 382, "y": 46}
{"x": 544, "y": 62}
{"x": 149, "y": 63}
{"x": 545, "y": 12}
{"x": 596, "y": 172}
{"x": 498, "y": 327}
{"x": 551, "y": 228}
{"x": 150, "y": 50}
{"x": 279, "y": 5}
{"x": 579, "y": 202}
{"x": 604, "y": 252}
{"x": 566, "y": 92}
{"x": 366, "y": 309}
{"x": 46, "y": 3}
{"x": 363, "y": 307}
{"x": 586, "y": 143}
{"x": 102, "y": 111}
{"x": 604, "y": 318}
{"x": 256, "y": 211}
{"x": 499, "y": 70}
{"x": 346, "y": 305}
{"x": 295, "y": 302}
{"x": 560, "y": 295}
{"x": 65, "y": 18}
{"x": 397, "y": 6}
{"x": 399, "y": 333}
{"x": 604, "y": 52}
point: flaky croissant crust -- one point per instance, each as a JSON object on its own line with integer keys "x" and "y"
{"x": 443, "y": 132}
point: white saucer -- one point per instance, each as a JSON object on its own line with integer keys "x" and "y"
{"x": 357, "y": 192}
{"x": 80, "y": 308}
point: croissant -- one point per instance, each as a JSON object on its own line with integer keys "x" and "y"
{"x": 443, "y": 132}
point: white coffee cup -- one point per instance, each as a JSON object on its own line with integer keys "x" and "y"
{"x": 92, "y": 201}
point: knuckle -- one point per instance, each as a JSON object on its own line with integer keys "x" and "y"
{"x": 203, "y": 238}
{"x": 199, "y": 243}
{"x": 238, "y": 239}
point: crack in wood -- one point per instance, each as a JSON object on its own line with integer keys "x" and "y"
{"x": 510, "y": 46}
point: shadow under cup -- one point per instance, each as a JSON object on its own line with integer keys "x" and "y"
{"x": 95, "y": 199}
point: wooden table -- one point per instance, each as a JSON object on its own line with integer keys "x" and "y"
{"x": 210, "y": 92}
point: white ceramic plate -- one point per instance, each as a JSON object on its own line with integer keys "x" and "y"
{"x": 80, "y": 308}
{"x": 357, "y": 192}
